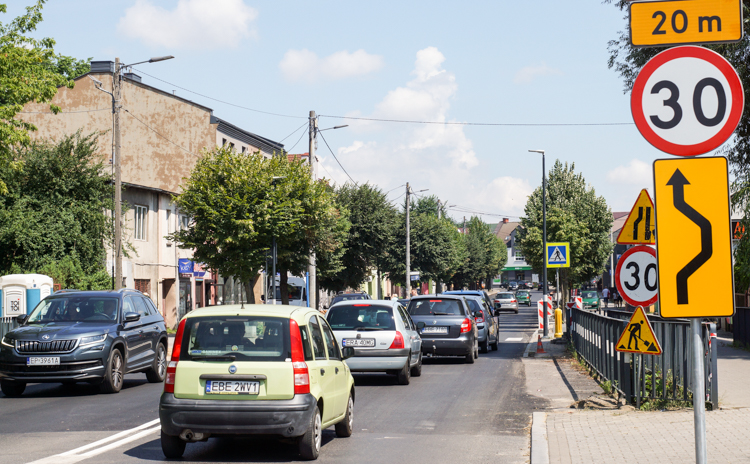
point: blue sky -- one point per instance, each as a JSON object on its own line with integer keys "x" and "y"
{"x": 531, "y": 62}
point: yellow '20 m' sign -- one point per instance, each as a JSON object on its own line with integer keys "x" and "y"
{"x": 676, "y": 22}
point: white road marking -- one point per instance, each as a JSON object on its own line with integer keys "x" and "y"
{"x": 514, "y": 339}
{"x": 98, "y": 447}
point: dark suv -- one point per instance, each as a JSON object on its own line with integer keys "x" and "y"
{"x": 86, "y": 336}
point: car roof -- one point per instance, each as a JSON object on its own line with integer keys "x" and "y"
{"x": 463, "y": 292}
{"x": 390, "y": 303}
{"x": 289, "y": 311}
{"x": 440, "y": 295}
{"x": 111, "y": 293}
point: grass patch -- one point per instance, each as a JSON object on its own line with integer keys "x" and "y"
{"x": 656, "y": 388}
{"x": 171, "y": 331}
{"x": 739, "y": 345}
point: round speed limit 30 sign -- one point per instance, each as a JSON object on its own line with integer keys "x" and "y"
{"x": 635, "y": 276}
{"x": 687, "y": 100}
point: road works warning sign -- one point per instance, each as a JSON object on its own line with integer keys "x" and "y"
{"x": 638, "y": 336}
{"x": 639, "y": 227}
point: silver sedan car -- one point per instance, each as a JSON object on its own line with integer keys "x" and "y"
{"x": 505, "y": 301}
{"x": 383, "y": 336}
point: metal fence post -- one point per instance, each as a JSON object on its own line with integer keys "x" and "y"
{"x": 714, "y": 366}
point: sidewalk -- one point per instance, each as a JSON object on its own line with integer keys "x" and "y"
{"x": 600, "y": 432}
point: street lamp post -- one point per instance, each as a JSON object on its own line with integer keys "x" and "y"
{"x": 273, "y": 248}
{"x": 544, "y": 242}
{"x": 116, "y": 105}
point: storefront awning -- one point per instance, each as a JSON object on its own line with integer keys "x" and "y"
{"x": 516, "y": 268}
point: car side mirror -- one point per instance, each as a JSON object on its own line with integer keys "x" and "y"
{"x": 22, "y": 318}
{"x": 132, "y": 317}
{"x": 325, "y": 306}
{"x": 347, "y": 352}
{"x": 263, "y": 298}
{"x": 420, "y": 325}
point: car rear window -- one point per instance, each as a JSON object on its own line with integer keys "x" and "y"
{"x": 248, "y": 338}
{"x": 361, "y": 317}
{"x": 347, "y": 297}
{"x": 506, "y": 296}
{"x": 589, "y": 294}
{"x": 435, "y": 307}
{"x": 522, "y": 294}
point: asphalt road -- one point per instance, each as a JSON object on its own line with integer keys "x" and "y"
{"x": 454, "y": 412}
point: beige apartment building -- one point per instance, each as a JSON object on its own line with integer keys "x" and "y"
{"x": 162, "y": 137}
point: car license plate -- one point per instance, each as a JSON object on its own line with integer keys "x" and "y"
{"x": 435, "y": 330}
{"x": 43, "y": 361}
{"x": 358, "y": 342}
{"x": 231, "y": 387}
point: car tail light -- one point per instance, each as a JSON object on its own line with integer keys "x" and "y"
{"x": 513, "y": 300}
{"x": 466, "y": 325}
{"x": 301, "y": 373}
{"x": 479, "y": 319}
{"x": 398, "y": 342}
{"x": 361, "y": 305}
{"x": 172, "y": 366}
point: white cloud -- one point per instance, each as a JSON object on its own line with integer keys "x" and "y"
{"x": 529, "y": 73}
{"x": 194, "y": 24}
{"x": 437, "y": 157}
{"x": 636, "y": 172}
{"x": 305, "y": 65}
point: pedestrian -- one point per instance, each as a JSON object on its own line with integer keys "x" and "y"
{"x": 605, "y": 296}
{"x": 394, "y": 297}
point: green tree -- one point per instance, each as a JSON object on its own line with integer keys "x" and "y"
{"x": 485, "y": 256}
{"x": 52, "y": 219}
{"x": 30, "y": 71}
{"x": 627, "y": 61}
{"x": 575, "y": 214}
{"x": 239, "y": 203}
{"x": 372, "y": 220}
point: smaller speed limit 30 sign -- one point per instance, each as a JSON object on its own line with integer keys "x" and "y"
{"x": 687, "y": 101}
{"x": 636, "y": 276}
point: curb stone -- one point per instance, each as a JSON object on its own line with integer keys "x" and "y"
{"x": 539, "y": 441}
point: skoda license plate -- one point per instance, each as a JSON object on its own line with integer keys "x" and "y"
{"x": 43, "y": 361}
{"x": 435, "y": 330}
{"x": 231, "y": 387}
{"x": 359, "y": 342}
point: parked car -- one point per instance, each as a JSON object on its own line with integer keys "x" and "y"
{"x": 255, "y": 370}
{"x": 512, "y": 286}
{"x": 590, "y": 299}
{"x": 523, "y": 297}
{"x": 486, "y": 326}
{"x": 446, "y": 325}
{"x": 525, "y": 285}
{"x": 85, "y": 336}
{"x": 349, "y": 297}
{"x": 383, "y": 336}
{"x": 506, "y": 301}
{"x": 481, "y": 293}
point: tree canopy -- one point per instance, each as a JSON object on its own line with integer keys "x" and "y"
{"x": 30, "y": 71}
{"x": 575, "y": 214}
{"x": 239, "y": 202}
{"x": 485, "y": 255}
{"x": 52, "y": 219}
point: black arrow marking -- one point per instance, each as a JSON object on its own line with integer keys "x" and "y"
{"x": 636, "y": 222}
{"x": 648, "y": 223}
{"x": 678, "y": 182}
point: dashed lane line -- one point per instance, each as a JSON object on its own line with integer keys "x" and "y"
{"x": 102, "y": 446}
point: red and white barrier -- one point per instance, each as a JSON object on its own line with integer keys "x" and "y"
{"x": 540, "y": 311}
{"x": 578, "y": 302}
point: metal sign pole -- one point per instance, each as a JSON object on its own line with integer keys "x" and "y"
{"x": 699, "y": 393}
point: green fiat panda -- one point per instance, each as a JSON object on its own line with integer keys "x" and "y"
{"x": 255, "y": 370}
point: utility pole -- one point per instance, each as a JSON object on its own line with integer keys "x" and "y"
{"x": 408, "y": 252}
{"x": 311, "y": 266}
{"x": 118, "y": 180}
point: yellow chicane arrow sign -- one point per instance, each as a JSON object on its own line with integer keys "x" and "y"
{"x": 639, "y": 227}
{"x": 674, "y": 22}
{"x": 694, "y": 240}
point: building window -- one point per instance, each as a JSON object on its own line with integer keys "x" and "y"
{"x": 141, "y": 213}
{"x": 169, "y": 221}
{"x": 244, "y": 149}
{"x": 519, "y": 256}
{"x": 231, "y": 145}
{"x": 184, "y": 222}
{"x": 143, "y": 286}
{"x": 223, "y": 142}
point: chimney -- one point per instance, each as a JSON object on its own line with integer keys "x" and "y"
{"x": 505, "y": 220}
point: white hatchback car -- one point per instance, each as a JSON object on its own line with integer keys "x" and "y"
{"x": 383, "y": 336}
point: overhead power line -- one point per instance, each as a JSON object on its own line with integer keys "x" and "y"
{"x": 458, "y": 123}
{"x": 334, "y": 157}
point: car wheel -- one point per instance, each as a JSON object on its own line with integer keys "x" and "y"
{"x": 404, "y": 375}
{"x": 485, "y": 346}
{"x": 12, "y": 389}
{"x": 159, "y": 369}
{"x": 172, "y": 447}
{"x": 416, "y": 371}
{"x": 113, "y": 374}
{"x": 309, "y": 443}
{"x": 476, "y": 349}
{"x": 494, "y": 345}
{"x": 346, "y": 427}
{"x": 470, "y": 358}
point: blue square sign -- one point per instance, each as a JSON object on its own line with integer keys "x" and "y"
{"x": 558, "y": 254}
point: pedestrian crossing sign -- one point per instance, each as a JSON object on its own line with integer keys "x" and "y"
{"x": 558, "y": 254}
{"x": 638, "y": 336}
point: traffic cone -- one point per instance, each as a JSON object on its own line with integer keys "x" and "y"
{"x": 539, "y": 347}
